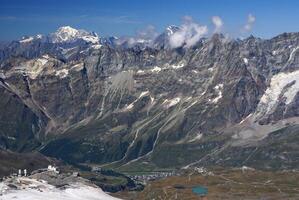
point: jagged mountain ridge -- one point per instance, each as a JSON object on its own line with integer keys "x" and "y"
{"x": 222, "y": 101}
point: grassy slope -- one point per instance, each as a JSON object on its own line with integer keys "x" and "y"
{"x": 225, "y": 184}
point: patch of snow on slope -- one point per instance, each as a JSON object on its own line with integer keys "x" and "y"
{"x": 188, "y": 98}
{"x": 278, "y": 82}
{"x": 152, "y": 99}
{"x": 96, "y": 46}
{"x": 245, "y": 61}
{"x": 26, "y": 40}
{"x": 32, "y": 189}
{"x": 292, "y": 53}
{"x": 78, "y": 67}
{"x": 131, "y": 105}
{"x": 156, "y": 69}
{"x": 218, "y": 89}
{"x": 43, "y": 60}
{"x": 140, "y": 72}
{"x": 62, "y": 73}
{"x": 91, "y": 39}
{"x": 143, "y": 94}
{"x": 211, "y": 69}
{"x": 246, "y": 118}
{"x": 172, "y": 102}
{"x": 178, "y": 66}
{"x": 35, "y": 68}
{"x": 69, "y": 51}
{"x": 196, "y": 138}
{"x": 46, "y": 56}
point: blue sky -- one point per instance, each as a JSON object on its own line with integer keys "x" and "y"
{"x": 125, "y": 17}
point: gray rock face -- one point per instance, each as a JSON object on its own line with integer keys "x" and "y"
{"x": 103, "y": 102}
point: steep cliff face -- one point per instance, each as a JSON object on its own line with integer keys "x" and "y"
{"x": 91, "y": 101}
{"x": 20, "y": 126}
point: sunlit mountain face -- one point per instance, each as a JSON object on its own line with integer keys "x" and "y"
{"x": 80, "y": 97}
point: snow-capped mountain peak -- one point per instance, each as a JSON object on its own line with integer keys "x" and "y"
{"x": 172, "y": 29}
{"x": 69, "y": 34}
{"x": 163, "y": 39}
{"x": 66, "y": 32}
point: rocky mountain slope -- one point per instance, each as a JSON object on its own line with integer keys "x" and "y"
{"x": 86, "y": 99}
{"x": 11, "y": 162}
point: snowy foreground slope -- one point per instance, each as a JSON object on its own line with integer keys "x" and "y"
{"x": 24, "y": 188}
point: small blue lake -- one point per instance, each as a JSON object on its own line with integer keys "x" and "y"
{"x": 200, "y": 191}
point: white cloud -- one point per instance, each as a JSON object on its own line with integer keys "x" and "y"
{"x": 145, "y": 36}
{"x": 189, "y": 34}
{"x": 218, "y": 23}
{"x": 251, "y": 18}
{"x": 148, "y": 33}
{"x": 250, "y": 21}
{"x": 177, "y": 39}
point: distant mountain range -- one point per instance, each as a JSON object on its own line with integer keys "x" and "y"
{"x": 86, "y": 99}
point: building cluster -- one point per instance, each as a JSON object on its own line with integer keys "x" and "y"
{"x": 203, "y": 171}
{"x": 22, "y": 173}
{"x": 96, "y": 169}
{"x": 150, "y": 177}
{"x": 53, "y": 169}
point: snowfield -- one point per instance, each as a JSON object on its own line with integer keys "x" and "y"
{"x": 26, "y": 40}
{"x": 62, "y": 73}
{"x": 282, "y": 85}
{"x": 31, "y": 189}
{"x": 69, "y": 34}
